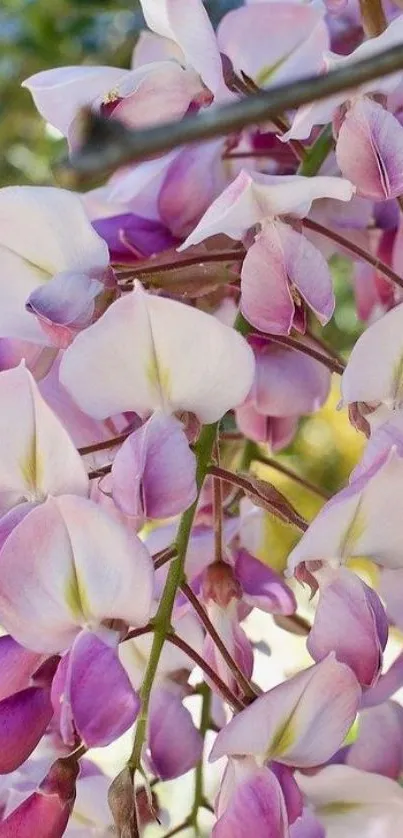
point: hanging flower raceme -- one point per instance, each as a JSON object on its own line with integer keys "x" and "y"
{"x": 165, "y": 355}
{"x": 369, "y": 136}
{"x": 77, "y": 568}
{"x": 281, "y": 268}
{"x": 55, "y": 274}
{"x": 287, "y": 385}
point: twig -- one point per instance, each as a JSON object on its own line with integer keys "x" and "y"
{"x": 138, "y": 632}
{"x": 270, "y": 461}
{"x": 164, "y": 556}
{"x": 293, "y": 623}
{"x": 295, "y": 343}
{"x": 153, "y": 266}
{"x": 108, "y": 443}
{"x": 201, "y": 612}
{"x": 263, "y": 494}
{"x": 353, "y": 248}
{"x": 100, "y": 472}
{"x": 109, "y": 144}
{"x": 225, "y": 691}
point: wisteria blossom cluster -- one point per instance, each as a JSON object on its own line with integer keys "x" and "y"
{"x": 159, "y": 335}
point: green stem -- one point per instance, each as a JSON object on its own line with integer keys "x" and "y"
{"x": 204, "y": 726}
{"x": 317, "y": 153}
{"x": 162, "y": 620}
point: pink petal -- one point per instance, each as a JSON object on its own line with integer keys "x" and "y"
{"x": 187, "y": 23}
{"x": 301, "y": 722}
{"x": 350, "y": 799}
{"x": 267, "y": 42}
{"x": 349, "y": 524}
{"x": 24, "y": 718}
{"x": 156, "y": 362}
{"x": 345, "y": 600}
{"x": 167, "y": 758}
{"x": 157, "y": 93}
{"x": 287, "y": 382}
{"x": 369, "y": 150}
{"x": 58, "y": 94}
{"x": 68, "y": 564}
{"x": 154, "y": 472}
{"x": 45, "y": 812}
{"x": 253, "y": 197}
{"x": 150, "y": 47}
{"x": 266, "y": 299}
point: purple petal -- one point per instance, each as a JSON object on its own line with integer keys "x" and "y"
{"x": 24, "y": 718}
{"x": 369, "y": 150}
{"x": 129, "y": 234}
{"x": 289, "y": 787}
{"x": 378, "y": 746}
{"x": 194, "y": 179}
{"x": 263, "y": 587}
{"x": 256, "y": 808}
{"x": 154, "y": 473}
{"x": 65, "y": 304}
{"x": 102, "y": 701}
{"x": 307, "y": 827}
{"x": 174, "y": 744}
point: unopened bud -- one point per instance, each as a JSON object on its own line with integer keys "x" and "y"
{"x": 220, "y": 584}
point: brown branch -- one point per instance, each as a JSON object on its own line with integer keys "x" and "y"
{"x": 109, "y": 144}
{"x": 108, "y": 443}
{"x": 201, "y": 612}
{"x": 288, "y": 472}
{"x": 295, "y": 343}
{"x": 153, "y": 266}
{"x": 225, "y": 691}
{"x": 293, "y": 623}
{"x": 262, "y": 494}
{"x": 353, "y": 248}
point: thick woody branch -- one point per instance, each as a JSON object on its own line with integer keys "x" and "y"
{"x": 108, "y": 144}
